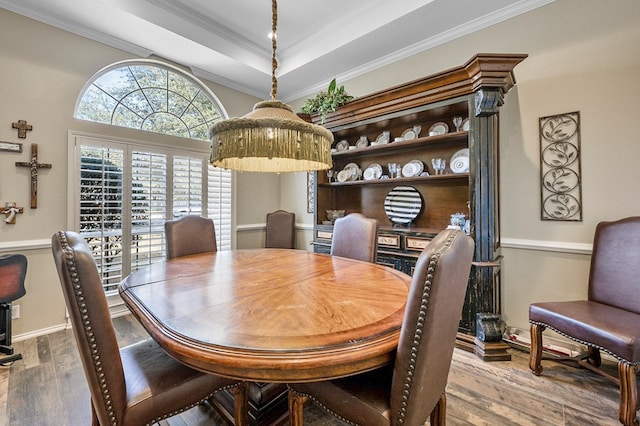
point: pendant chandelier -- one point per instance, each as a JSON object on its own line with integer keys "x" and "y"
{"x": 271, "y": 138}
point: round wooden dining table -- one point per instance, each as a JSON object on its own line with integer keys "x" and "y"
{"x": 271, "y": 315}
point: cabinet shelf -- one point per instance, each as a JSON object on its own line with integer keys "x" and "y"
{"x": 454, "y": 138}
{"x": 400, "y": 180}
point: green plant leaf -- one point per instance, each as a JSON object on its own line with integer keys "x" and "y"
{"x": 332, "y": 86}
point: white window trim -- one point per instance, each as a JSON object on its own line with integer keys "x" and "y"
{"x": 116, "y": 305}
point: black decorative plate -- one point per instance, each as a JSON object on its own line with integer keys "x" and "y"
{"x": 403, "y": 204}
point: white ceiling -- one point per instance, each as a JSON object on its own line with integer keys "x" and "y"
{"x": 227, "y": 41}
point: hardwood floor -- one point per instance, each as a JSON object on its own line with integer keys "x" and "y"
{"x": 47, "y": 388}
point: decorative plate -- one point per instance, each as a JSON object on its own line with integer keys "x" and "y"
{"x": 370, "y": 174}
{"x": 358, "y": 171}
{"x": 344, "y": 175}
{"x": 419, "y": 164}
{"x": 342, "y": 145}
{"x": 383, "y": 138}
{"x": 439, "y": 128}
{"x": 403, "y": 204}
{"x": 362, "y": 142}
{"x": 374, "y": 171}
{"x": 465, "y": 125}
{"x": 412, "y": 169}
{"x": 409, "y": 134}
{"x": 459, "y": 162}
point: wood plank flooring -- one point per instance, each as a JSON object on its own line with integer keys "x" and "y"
{"x": 47, "y": 388}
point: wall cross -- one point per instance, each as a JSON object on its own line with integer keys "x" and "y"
{"x": 22, "y": 127}
{"x": 34, "y": 165}
{"x": 10, "y": 211}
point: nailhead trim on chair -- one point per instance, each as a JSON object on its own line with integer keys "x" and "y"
{"x": 173, "y": 413}
{"x": 424, "y": 307}
{"x": 324, "y": 407}
{"x": 619, "y": 358}
{"x": 88, "y": 329}
{"x": 433, "y": 262}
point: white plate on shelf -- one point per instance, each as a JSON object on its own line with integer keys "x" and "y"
{"x": 420, "y": 165}
{"x": 362, "y": 142}
{"x": 403, "y": 204}
{"x": 344, "y": 175}
{"x": 465, "y": 125}
{"x": 342, "y": 146}
{"x": 439, "y": 128}
{"x": 413, "y": 168}
{"x": 358, "y": 171}
{"x": 382, "y": 138}
{"x": 409, "y": 134}
{"x": 371, "y": 173}
{"x": 459, "y": 162}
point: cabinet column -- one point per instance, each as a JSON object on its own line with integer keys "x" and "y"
{"x": 484, "y": 297}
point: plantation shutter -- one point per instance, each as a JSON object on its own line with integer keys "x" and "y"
{"x": 219, "y": 204}
{"x": 187, "y": 186}
{"x": 101, "y": 209}
{"x": 148, "y": 207}
{"x": 145, "y": 186}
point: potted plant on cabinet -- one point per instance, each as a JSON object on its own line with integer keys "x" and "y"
{"x": 326, "y": 101}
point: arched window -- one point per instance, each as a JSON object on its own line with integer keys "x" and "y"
{"x": 124, "y": 190}
{"x": 151, "y": 96}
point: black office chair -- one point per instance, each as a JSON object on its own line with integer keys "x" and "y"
{"x": 13, "y": 270}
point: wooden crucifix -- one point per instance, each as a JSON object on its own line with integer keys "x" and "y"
{"x": 22, "y": 127}
{"x": 34, "y": 165}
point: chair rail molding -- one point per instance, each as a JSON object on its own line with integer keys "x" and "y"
{"x": 11, "y": 246}
{"x": 540, "y": 245}
{"x": 248, "y": 227}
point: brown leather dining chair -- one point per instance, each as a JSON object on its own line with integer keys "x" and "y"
{"x": 413, "y": 388}
{"x": 281, "y": 230}
{"x": 138, "y": 384}
{"x": 609, "y": 319}
{"x": 190, "y": 234}
{"x": 355, "y": 236}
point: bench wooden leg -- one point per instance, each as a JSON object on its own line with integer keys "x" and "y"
{"x": 628, "y": 394}
{"x": 535, "y": 356}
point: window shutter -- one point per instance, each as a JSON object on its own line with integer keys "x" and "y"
{"x": 148, "y": 207}
{"x": 101, "y": 209}
{"x": 187, "y": 186}
{"x": 219, "y": 204}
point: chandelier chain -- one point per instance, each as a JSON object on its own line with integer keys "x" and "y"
{"x": 274, "y": 61}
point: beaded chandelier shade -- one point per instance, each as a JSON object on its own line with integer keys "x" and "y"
{"x": 271, "y": 138}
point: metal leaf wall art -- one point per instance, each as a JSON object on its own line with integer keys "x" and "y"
{"x": 561, "y": 183}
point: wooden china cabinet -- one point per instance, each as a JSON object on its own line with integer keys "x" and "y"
{"x": 474, "y": 91}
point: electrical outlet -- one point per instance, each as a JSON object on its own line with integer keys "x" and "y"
{"x": 15, "y": 311}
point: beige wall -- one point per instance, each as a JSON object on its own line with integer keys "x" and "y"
{"x": 42, "y": 71}
{"x": 583, "y": 56}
